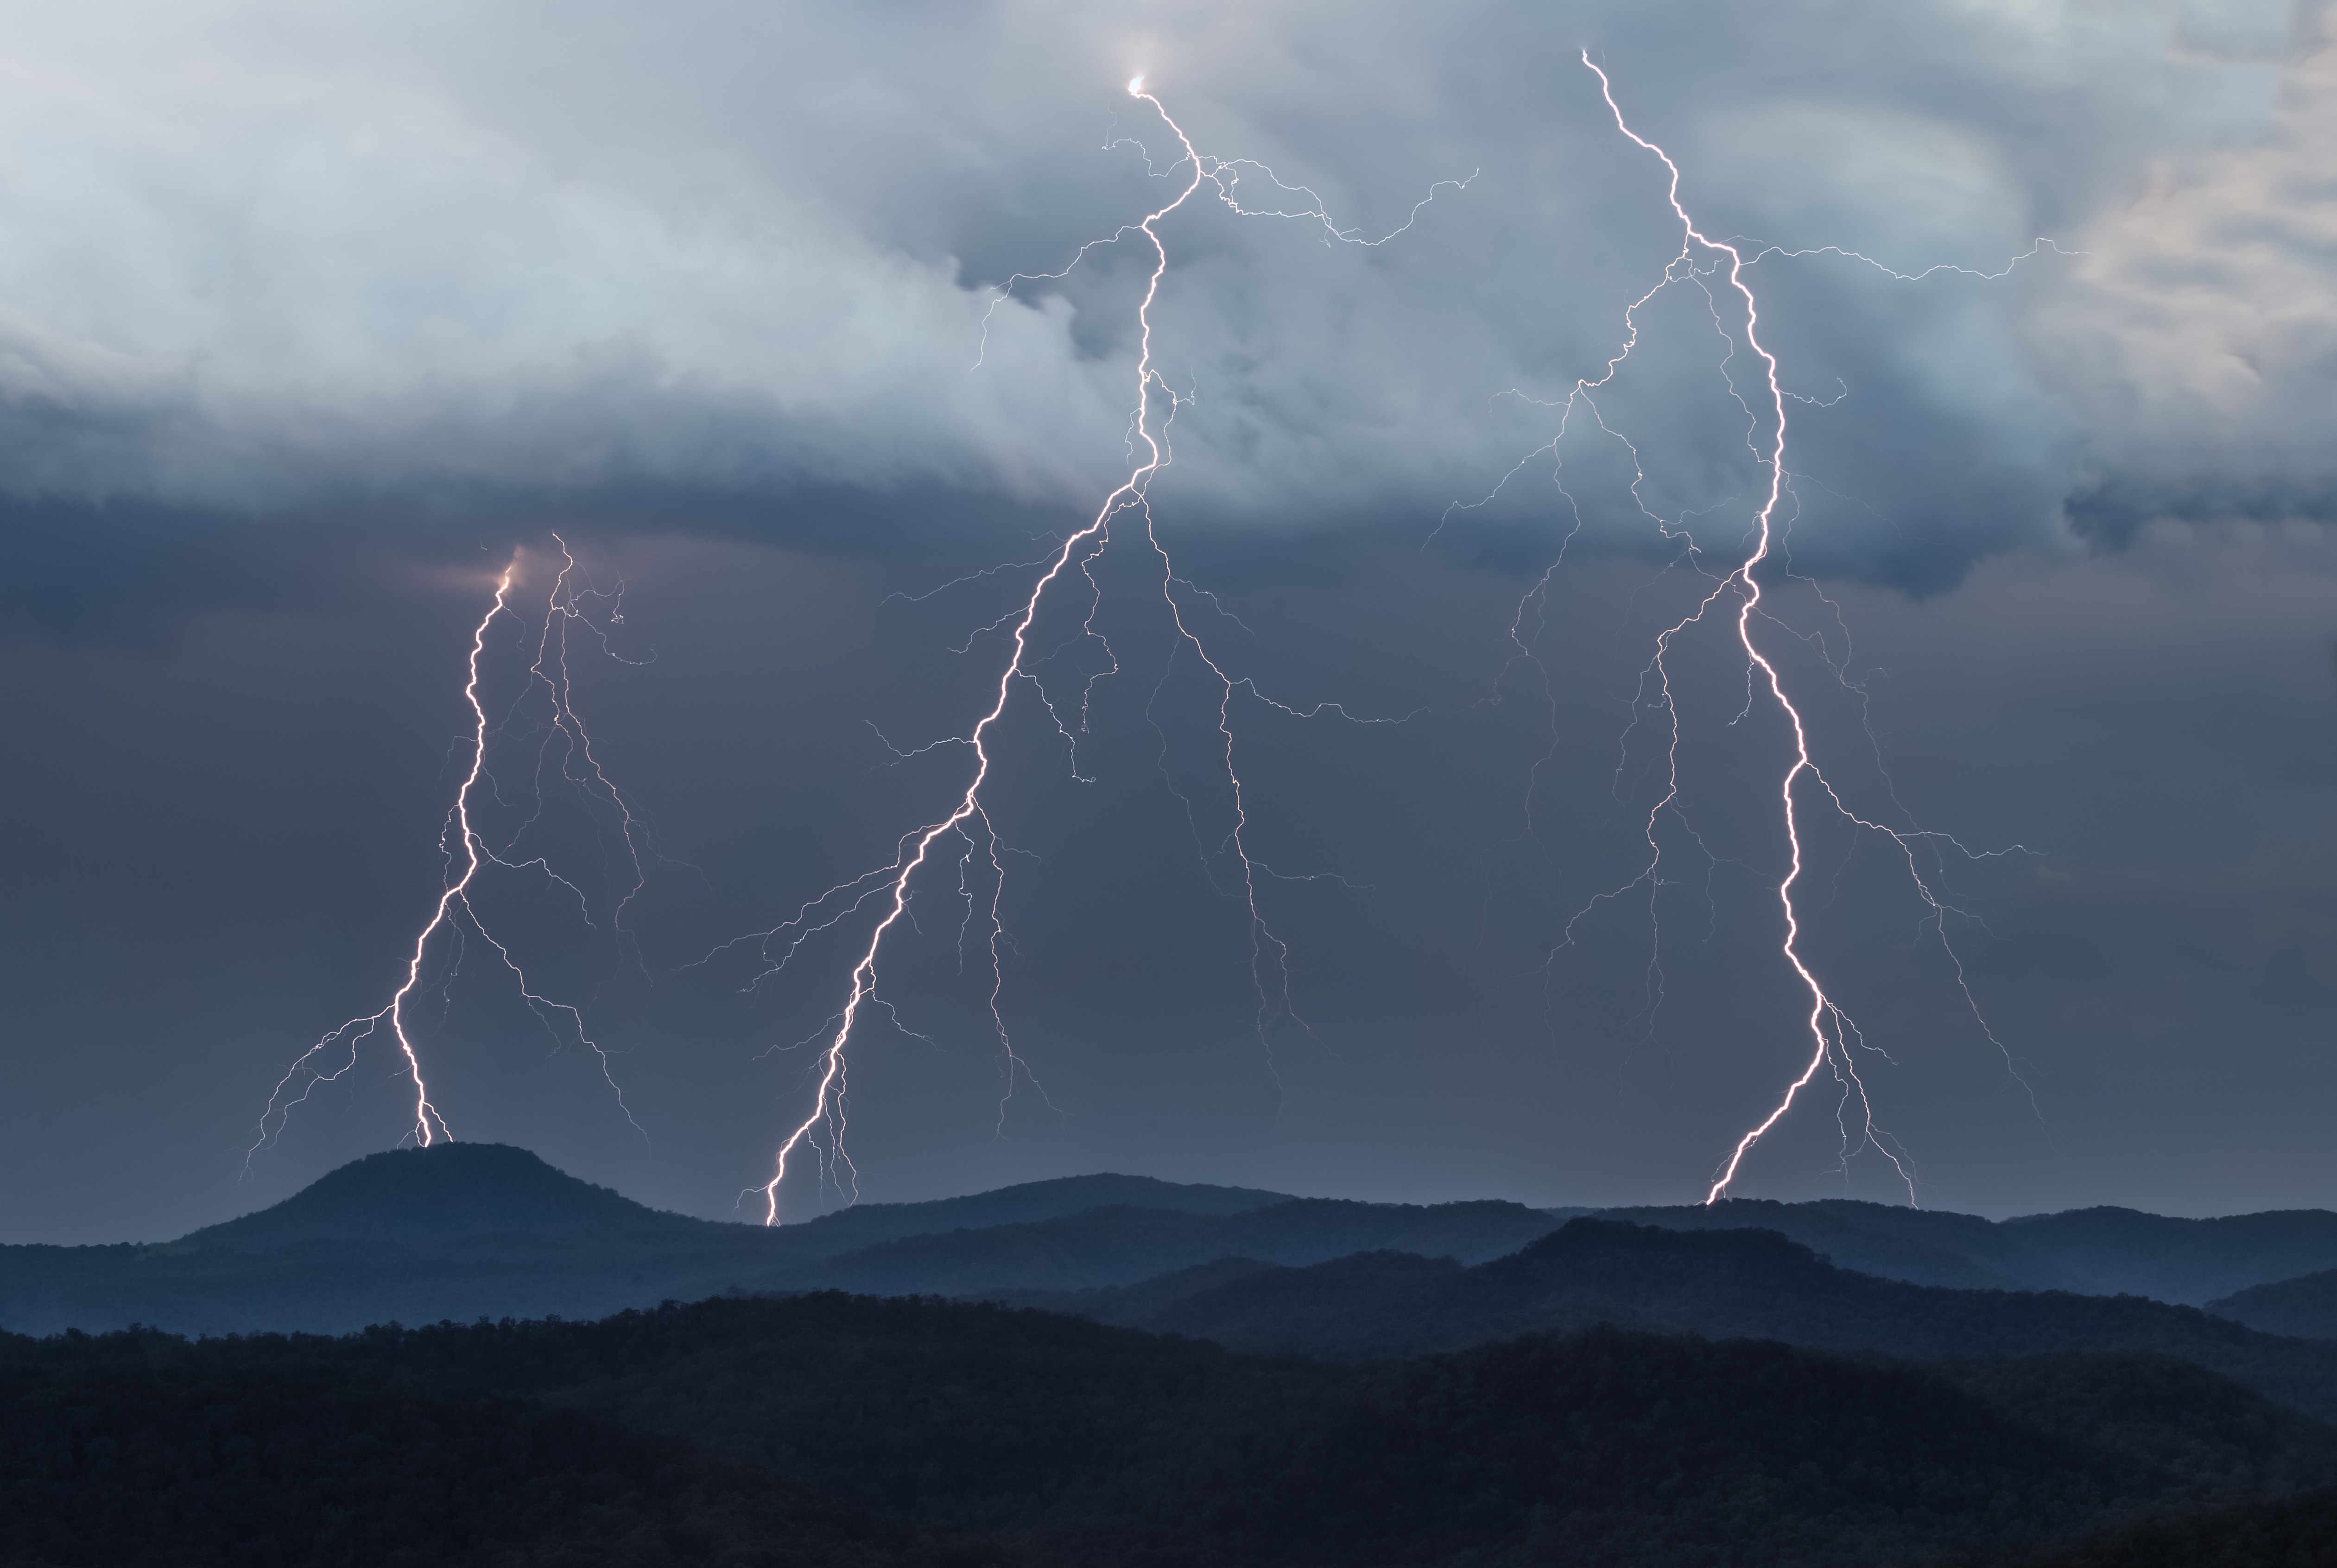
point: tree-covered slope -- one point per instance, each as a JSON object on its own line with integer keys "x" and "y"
{"x": 2305, "y": 1307}
{"x": 832, "y": 1429}
{"x": 1729, "y": 1283}
{"x": 2102, "y": 1251}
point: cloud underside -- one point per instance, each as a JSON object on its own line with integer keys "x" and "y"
{"x": 260, "y": 258}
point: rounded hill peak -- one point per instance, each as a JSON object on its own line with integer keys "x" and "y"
{"x": 446, "y": 1191}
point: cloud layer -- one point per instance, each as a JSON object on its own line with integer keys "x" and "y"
{"x": 258, "y": 255}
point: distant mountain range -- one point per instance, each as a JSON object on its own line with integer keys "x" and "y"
{"x": 2103, "y": 1252}
{"x": 465, "y": 1231}
{"x": 1722, "y": 1284}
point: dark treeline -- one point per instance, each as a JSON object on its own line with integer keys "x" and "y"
{"x": 146, "y": 1452}
{"x": 834, "y": 1429}
{"x": 2289, "y": 1533}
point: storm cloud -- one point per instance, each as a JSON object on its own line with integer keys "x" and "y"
{"x": 264, "y": 258}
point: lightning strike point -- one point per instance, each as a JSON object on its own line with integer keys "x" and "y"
{"x": 466, "y": 846}
{"x": 821, "y": 1132}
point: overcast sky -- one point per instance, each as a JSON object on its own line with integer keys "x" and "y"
{"x": 310, "y": 320}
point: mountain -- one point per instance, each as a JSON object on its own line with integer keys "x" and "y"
{"x": 454, "y": 1191}
{"x": 447, "y": 1192}
{"x": 2192, "y": 1261}
{"x": 464, "y": 1231}
{"x": 1890, "y": 1242}
{"x": 2101, "y": 1252}
{"x": 2089, "y": 1251}
{"x": 2305, "y": 1307}
{"x": 1723, "y": 1283}
{"x": 1120, "y": 1245}
{"x": 1030, "y": 1203}
{"x": 826, "y": 1429}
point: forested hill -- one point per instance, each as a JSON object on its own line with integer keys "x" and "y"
{"x": 1825, "y": 1417}
{"x": 826, "y": 1429}
{"x": 2099, "y": 1251}
{"x": 1756, "y": 1283}
{"x": 456, "y": 1191}
{"x": 2306, "y": 1306}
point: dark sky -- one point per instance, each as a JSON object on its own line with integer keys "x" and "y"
{"x": 309, "y": 321}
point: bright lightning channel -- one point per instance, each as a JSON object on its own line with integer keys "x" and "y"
{"x": 887, "y": 887}
{"x": 1833, "y": 1035}
{"x": 467, "y": 853}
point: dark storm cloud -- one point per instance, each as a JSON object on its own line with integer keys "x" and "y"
{"x": 267, "y": 259}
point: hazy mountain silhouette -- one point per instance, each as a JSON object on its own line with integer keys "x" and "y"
{"x": 2193, "y": 1262}
{"x": 446, "y": 1192}
{"x": 464, "y": 1189}
{"x": 454, "y": 1191}
{"x": 2305, "y": 1307}
{"x": 1030, "y": 1203}
{"x": 2102, "y": 1251}
{"x": 2087, "y": 1252}
{"x": 1114, "y": 1246}
{"x": 461, "y": 1231}
{"x": 1724, "y": 1283}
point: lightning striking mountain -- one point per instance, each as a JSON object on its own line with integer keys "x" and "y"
{"x": 468, "y": 854}
{"x": 883, "y": 894}
{"x": 967, "y": 825}
{"x": 1834, "y": 1039}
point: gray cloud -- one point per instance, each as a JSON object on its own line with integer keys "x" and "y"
{"x": 262, "y": 256}
{"x": 2200, "y": 343}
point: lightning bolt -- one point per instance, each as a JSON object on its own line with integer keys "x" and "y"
{"x": 1833, "y": 1035}
{"x": 888, "y": 887}
{"x": 467, "y": 853}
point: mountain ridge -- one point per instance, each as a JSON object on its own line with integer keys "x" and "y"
{"x": 453, "y": 1190}
{"x": 458, "y": 1190}
{"x": 2305, "y": 1306}
{"x": 2100, "y": 1251}
{"x": 1724, "y": 1283}
{"x": 464, "y": 1231}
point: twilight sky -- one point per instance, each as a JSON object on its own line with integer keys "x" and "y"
{"x": 310, "y": 318}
